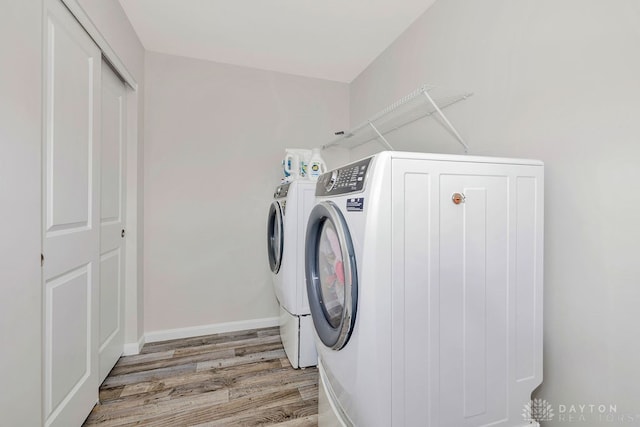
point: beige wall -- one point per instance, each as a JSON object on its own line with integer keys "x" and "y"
{"x": 556, "y": 81}
{"x": 113, "y": 24}
{"x": 215, "y": 136}
{"x": 20, "y": 280}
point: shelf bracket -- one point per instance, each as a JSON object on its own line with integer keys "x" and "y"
{"x": 382, "y": 138}
{"x": 444, "y": 118}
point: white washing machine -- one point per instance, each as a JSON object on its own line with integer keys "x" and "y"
{"x": 424, "y": 276}
{"x": 286, "y": 227}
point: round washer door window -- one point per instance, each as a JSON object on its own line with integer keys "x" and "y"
{"x": 331, "y": 273}
{"x": 332, "y": 284}
{"x": 275, "y": 236}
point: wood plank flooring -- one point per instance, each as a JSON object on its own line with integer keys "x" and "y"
{"x": 232, "y": 379}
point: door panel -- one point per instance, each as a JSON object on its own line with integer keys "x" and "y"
{"x": 526, "y": 289}
{"x": 69, "y": 171}
{"x": 414, "y": 293}
{"x": 474, "y": 303}
{"x": 109, "y": 295}
{"x": 112, "y": 247}
{"x": 70, "y": 217}
{"x": 69, "y": 352}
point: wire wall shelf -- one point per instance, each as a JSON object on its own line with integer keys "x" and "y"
{"x": 423, "y": 102}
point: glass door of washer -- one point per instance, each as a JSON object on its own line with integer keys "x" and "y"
{"x": 332, "y": 283}
{"x": 275, "y": 236}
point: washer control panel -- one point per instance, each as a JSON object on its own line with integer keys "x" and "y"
{"x": 347, "y": 179}
{"x": 281, "y": 191}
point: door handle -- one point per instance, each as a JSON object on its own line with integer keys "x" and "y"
{"x": 458, "y": 198}
{"x": 122, "y": 233}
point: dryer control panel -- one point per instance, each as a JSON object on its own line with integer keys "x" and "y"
{"x": 347, "y": 179}
{"x": 281, "y": 191}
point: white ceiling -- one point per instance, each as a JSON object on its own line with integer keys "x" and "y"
{"x": 327, "y": 39}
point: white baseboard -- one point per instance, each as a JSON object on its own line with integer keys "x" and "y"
{"x": 216, "y": 328}
{"x": 131, "y": 349}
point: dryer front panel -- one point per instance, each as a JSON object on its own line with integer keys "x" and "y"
{"x": 332, "y": 282}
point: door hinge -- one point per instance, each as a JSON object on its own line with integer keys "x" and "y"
{"x": 41, "y": 260}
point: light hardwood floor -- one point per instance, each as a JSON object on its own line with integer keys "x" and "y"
{"x": 231, "y": 379}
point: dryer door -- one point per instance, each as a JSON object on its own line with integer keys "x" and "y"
{"x": 275, "y": 236}
{"x": 332, "y": 282}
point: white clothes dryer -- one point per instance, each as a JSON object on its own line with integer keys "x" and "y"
{"x": 286, "y": 227}
{"x": 424, "y": 276}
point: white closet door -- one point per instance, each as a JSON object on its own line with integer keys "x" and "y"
{"x": 71, "y": 218}
{"x": 112, "y": 211}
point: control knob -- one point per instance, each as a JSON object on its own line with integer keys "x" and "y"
{"x": 331, "y": 182}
